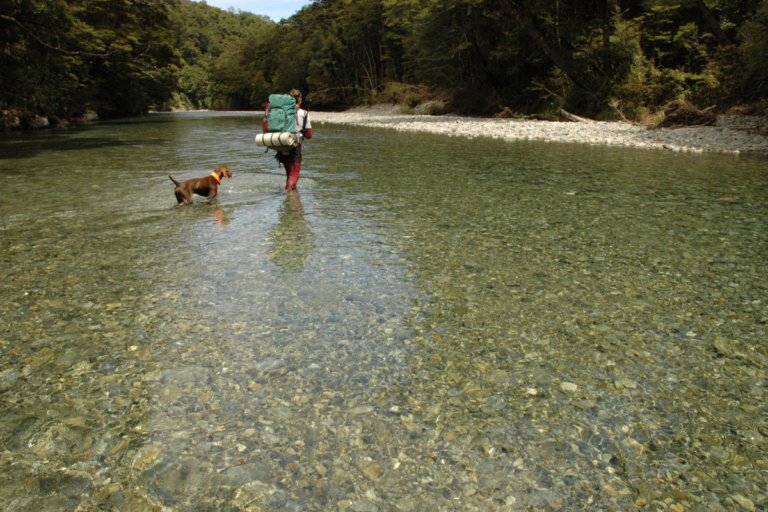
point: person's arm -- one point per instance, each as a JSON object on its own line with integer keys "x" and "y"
{"x": 266, "y": 112}
{"x": 307, "y": 126}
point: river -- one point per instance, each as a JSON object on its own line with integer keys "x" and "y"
{"x": 431, "y": 323}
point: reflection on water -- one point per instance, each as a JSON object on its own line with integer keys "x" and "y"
{"x": 290, "y": 240}
{"x": 469, "y": 326}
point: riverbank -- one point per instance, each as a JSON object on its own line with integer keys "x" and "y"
{"x": 15, "y": 120}
{"x": 719, "y": 138}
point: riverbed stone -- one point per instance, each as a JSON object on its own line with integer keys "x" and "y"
{"x": 373, "y": 472}
{"x": 237, "y": 476}
{"x": 269, "y": 365}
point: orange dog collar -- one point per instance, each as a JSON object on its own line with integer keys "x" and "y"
{"x": 218, "y": 178}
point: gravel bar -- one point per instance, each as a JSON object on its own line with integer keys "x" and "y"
{"x": 692, "y": 139}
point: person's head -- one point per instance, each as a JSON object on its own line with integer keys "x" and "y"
{"x": 296, "y": 94}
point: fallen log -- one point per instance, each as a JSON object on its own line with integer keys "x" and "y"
{"x": 679, "y": 113}
{"x": 574, "y": 118}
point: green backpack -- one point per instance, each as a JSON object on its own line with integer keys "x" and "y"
{"x": 281, "y": 115}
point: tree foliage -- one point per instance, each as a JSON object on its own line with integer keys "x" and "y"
{"x": 602, "y": 58}
{"x": 208, "y": 40}
{"x": 606, "y": 58}
{"x": 62, "y": 57}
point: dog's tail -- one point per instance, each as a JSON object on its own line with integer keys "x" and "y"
{"x": 173, "y": 180}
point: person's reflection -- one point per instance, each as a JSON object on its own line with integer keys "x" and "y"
{"x": 290, "y": 240}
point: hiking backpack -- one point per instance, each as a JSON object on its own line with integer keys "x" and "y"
{"x": 281, "y": 115}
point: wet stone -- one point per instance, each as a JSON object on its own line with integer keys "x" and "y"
{"x": 269, "y": 365}
{"x": 237, "y": 476}
{"x": 543, "y": 377}
{"x": 8, "y": 378}
{"x": 744, "y": 503}
{"x": 373, "y": 472}
{"x": 495, "y": 402}
{"x": 585, "y": 405}
{"x": 282, "y": 413}
{"x": 723, "y": 347}
{"x": 541, "y": 499}
{"x": 486, "y": 467}
{"x": 498, "y": 377}
{"x": 363, "y": 506}
{"x": 406, "y": 505}
{"x": 625, "y": 384}
{"x": 357, "y": 411}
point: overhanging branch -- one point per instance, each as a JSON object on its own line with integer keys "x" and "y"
{"x": 54, "y": 48}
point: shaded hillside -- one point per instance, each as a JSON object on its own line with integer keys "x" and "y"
{"x": 608, "y": 59}
{"x": 601, "y": 58}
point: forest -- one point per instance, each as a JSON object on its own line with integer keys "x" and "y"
{"x": 603, "y": 59}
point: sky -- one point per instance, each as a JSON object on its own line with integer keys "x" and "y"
{"x": 275, "y": 9}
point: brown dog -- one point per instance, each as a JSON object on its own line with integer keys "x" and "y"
{"x": 207, "y": 187}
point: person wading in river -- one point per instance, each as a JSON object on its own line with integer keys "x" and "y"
{"x": 292, "y": 160}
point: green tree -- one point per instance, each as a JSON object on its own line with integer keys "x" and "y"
{"x": 208, "y": 38}
{"x": 63, "y": 57}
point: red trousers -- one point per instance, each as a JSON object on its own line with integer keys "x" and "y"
{"x": 292, "y": 171}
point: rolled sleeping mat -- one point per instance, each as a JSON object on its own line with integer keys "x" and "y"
{"x": 279, "y": 141}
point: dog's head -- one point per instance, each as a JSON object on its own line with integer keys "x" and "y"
{"x": 224, "y": 171}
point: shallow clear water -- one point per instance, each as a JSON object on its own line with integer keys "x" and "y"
{"x": 431, "y": 323}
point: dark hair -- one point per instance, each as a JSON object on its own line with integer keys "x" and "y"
{"x": 295, "y": 93}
